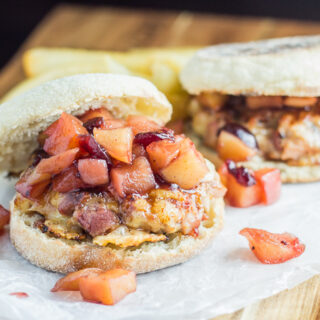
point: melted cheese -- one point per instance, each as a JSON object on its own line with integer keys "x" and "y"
{"x": 124, "y": 237}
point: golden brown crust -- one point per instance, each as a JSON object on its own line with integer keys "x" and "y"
{"x": 66, "y": 256}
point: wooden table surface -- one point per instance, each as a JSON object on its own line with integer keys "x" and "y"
{"x": 117, "y": 29}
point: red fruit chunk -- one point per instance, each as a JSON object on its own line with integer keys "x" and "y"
{"x": 71, "y": 281}
{"x": 4, "y": 216}
{"x": 269, "y": 181}
{"x": 271, "y": 248}
{"x": 161, "y": 153}
{"x": 64, "y": 135}
{"x": 93, "y": 171}
{"x": 88, "y": 144}
{"x": 231, "y": 147}
{"x": 135, "y": 178}
{"x": 68, "y": 180}
{"x": 142, "y": 124}
{"x": 19, "y": 294}
{"x": 96, "y": 113}
{"x": 188, "y": 168}
{"x": 94, "y": 123}
{"x": 31, "y": 191}
{"x": 146, "y": 138}
{"x": 241, "y": 195}
{"x": 117, "y": 142}
{"x": 242, "y": 174}
{"x": 108, "y": 287}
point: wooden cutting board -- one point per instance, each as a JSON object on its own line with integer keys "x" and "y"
{"x": 117, "y": 29}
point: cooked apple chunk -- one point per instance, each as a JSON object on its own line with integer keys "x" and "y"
{"x": 93, "y": 171}
{"x": 188, "y": 168}
{"x": 135, "y": 178}
{"x": 117, "y": 142}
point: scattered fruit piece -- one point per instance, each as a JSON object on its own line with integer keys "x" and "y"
{"x": 142, "y": 124}
{"x": 19, "y": 294}
{"x": 114, "y": 124}
{"x": 108, "y": 287}
{"x": 4, "y": 216}
{"x": 271, "y": 248}
{"x": 117, "y": 142}
{"x": 135, "y": 178}
{"x": 96, "y": 113}
{"x": 242, "y": 189}
{"x": 64, "y": 135}
{"x": 232, "y": 147}
{"x": 93, "y": 171}
{"x": 269, "y": 181}
{"x": 71, "y": 281}
{"x": 188, "y": 168}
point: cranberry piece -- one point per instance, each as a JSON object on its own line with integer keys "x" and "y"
{"x": 242, "y": 133}
{"x": 242, "y": 174}
{"x": 97, "y": 122}
{"x": 145, "y": 138}
{"x": 38, "y": 156}
{"x": 96, "y": 151}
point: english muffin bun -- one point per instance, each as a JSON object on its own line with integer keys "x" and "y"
{"x": 276, "y": 67}
{"x": 22, "y": 118}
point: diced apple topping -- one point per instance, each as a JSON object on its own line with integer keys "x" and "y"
{"x": 188, "y": 168}
{"x": 161, "y": 153}
{"x": 64, "y": 135}
{"x": 93, "y": 171}
{"x": 117, "y": 142}
{"x": 231, "y": 147}
{"x": 135, "y": 178}
{"x": 142, "y": 124}
{"x": 114, "y": 124}
{"x": 96, "y": 113}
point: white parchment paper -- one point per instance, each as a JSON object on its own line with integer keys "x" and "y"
{"x": 224, "y": 278}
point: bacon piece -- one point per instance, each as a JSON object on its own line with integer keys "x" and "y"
{"x": 272, "y": 248}
{"x": 96, "y": 218}
{"x": 71, "y": 281}
{"x": 68, "y": 202}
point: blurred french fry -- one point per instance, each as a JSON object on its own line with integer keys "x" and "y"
{"x": 37, "y": 61}
{"x": 110, "y": 66}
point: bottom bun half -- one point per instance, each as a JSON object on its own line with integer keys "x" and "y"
{"x": 66, "y": 256}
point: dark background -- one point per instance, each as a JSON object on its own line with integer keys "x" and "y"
{"x": 18, "y": 18}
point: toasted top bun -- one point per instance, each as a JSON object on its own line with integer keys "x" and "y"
{"x": 284, "y": 66}
{"x": 23, "y": 117}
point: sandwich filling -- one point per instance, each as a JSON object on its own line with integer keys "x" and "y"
{"x": 115, "y": 182}
{"x": 277, "y": 128}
